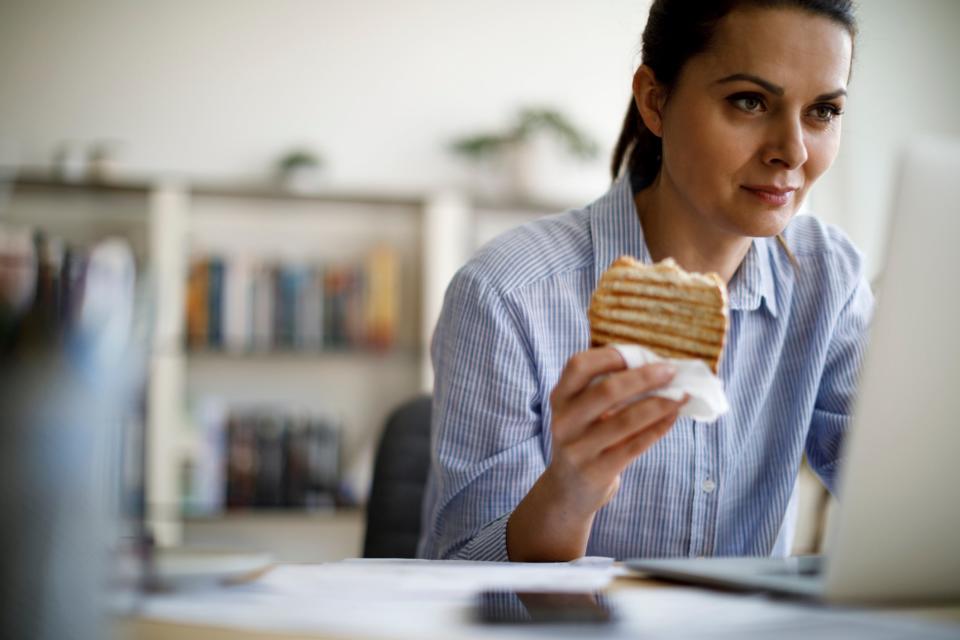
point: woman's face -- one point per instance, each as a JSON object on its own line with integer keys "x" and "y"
{"x": 753, "y": 122}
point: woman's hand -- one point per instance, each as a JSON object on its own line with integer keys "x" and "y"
{"x": 594, "y": 435}
{"x": 596, "y": 432}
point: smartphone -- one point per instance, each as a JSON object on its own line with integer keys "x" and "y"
{"x": 543, "y": 607}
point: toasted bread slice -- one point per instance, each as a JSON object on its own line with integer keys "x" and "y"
{"x": 674, "y": 313}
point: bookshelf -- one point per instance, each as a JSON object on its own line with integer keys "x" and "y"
{"x": 170, "y": 224}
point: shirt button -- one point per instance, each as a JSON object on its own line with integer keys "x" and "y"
{"x": 708, "y": 486}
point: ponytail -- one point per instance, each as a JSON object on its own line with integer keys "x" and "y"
{"x": 638, "y": 151}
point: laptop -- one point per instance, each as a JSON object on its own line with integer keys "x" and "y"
{"x": 896, "y": 537}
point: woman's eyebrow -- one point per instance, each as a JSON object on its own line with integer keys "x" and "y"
{"x": 766, "y": 84}
{"x": 831, "y": 95}
{"x": 775, "y": 89}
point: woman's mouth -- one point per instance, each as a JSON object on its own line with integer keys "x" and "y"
{"x": 771, "y": 194}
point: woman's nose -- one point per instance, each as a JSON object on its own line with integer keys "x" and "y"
{"x": 786, "y": 147}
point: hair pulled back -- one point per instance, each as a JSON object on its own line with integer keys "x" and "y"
{"x": 676, "y": 31}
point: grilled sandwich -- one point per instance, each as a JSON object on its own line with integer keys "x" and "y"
{"x": 673, "y": 313}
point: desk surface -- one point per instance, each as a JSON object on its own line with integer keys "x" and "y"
{"x": 654, "y": 598}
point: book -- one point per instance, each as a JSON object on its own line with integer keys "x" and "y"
{"x": 310, "y": 311}
{"x": 381, "y": 305}
{"x": 277, "y": 459}
{"x": 270, "y": 433}
{"x": 239, "y": 305}
{"x": 197, "y": 305}
{"x": 215, "y": 269}
{"x": 263, "y": 306}
{"x": 241, "y": 462}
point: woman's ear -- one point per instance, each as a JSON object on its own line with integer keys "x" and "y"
{"x": 650, "y": 97}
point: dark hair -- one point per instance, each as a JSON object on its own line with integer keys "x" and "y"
{"x": 676, "y": 31}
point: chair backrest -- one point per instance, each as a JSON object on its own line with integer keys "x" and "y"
{"x": 399, "y": 479}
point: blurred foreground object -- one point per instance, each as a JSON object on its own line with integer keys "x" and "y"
{"x": 67, "y": 378}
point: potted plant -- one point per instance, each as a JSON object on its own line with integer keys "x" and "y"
{"x": 515, "y": 155}
{"x": 299, "y": 170}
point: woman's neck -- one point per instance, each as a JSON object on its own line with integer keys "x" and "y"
{"x": 670, "y": 229}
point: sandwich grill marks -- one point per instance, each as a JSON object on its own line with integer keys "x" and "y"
{"x": 661, "y": 307}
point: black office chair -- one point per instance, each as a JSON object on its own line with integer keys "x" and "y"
{"x": 399, "y": 480}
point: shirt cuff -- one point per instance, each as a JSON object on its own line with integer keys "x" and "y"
{"x": 490, "y": 544}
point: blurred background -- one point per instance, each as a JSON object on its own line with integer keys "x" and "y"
{"x": 298, "y": 180}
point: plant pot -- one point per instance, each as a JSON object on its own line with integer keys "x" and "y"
{"x": 542, "y": 170}
{"x": 302, "y": 179}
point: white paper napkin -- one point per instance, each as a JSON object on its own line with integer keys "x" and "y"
{"x": 707, "y": 398}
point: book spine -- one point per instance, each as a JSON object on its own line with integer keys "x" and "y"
{"x": 215, "y": 303}
{"x": 269, "y": 482}
{"x": 295, "y": 470}
{"x": 324, "y": 460}
{"x": 298, "y": 276}
{"x": 383, "y": 297}
{"x": 308, "y": 331}
{"x": 263, "y": 304}
{"x": 197, "y": 306}
{"x": 241, "y": 463}
{"x": 353, "y": 310}
{"x": 237, "y": 299}
{"x": 334, "y": 301}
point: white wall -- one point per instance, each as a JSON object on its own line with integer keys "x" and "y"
{"x": 905, "y": 83}
{"x": 221, "y": 87}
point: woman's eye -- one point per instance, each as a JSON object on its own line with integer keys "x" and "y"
{"x": 750, "y": 103}
{"x": 826, "y": 112}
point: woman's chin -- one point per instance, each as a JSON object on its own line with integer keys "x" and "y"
{"x": 756, "y": 217}
{"x": 754, "y": 220}
{"x": 763, "y": 223}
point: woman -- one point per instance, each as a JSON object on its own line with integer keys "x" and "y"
{"x": 735, "y": 114}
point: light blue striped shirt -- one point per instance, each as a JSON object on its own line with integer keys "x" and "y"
{"x": 514, "y": 315}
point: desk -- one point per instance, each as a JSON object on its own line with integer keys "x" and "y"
{"x": 298, "y": 602}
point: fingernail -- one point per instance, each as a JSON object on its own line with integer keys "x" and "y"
{"x": 665, "y": 371}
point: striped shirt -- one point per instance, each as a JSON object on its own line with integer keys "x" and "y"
{"x": 516, "y": 312}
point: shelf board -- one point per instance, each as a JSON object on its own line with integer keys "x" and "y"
{"x": 39, "y": 180}
{"x": 267, "y": 191}
{"x": 214, "y": 355}
{"x": 35, "y": 180}
{"x": 267, "y": 516}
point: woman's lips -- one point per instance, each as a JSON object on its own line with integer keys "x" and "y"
{"x": 776, "y": 196}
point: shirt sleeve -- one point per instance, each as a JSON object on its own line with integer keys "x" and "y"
{"x": 838, "y": 384}
{"x": 486, "y": 445}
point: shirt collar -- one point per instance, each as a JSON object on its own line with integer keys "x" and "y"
{"x": 753, "y": 281}
{"x": 616, "y": 230}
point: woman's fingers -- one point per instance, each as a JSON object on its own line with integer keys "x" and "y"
{"x": 583, "y": 367}
{"x": 624, "y": 425}
{"x": 617, "y": 457}
{"x": 597, "y": 417}
{"x": 611, "y": 394}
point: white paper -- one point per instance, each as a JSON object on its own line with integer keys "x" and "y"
{"x": 694, "y": 378}
{"x": 434, "y": 600}
{"x": 373, "y": 598}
